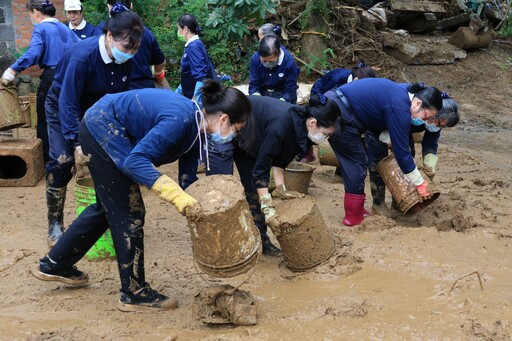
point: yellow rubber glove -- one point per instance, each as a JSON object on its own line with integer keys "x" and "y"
{"x": 171, "y": 192}
{"x": 283, "y": 194}
{"x": 430, "y": 163}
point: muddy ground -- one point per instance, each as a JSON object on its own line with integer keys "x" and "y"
{"x": 444, "y": 273}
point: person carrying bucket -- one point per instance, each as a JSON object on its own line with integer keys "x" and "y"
{"x": 275, "y": 134}
{"x": 448, "y": 116}
{"x": 371, "y": 106}
{"x": 90, "y": 69}
{"x": 126, "y": 136}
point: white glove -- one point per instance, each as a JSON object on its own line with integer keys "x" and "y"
{"x": 8, "y": 76}
{"x": 430, "y": 162}
{"x": 80, "y": 158}
{"x": 384, "y": 137}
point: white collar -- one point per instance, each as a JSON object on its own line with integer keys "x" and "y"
{"x": 80, "y": 26}
{"x": 50, "y": 20}
{"x": 350, "y": 78}
{"x": 103, "y": 50}
{"x": 411, "y": 96}
{"x": 196, "y": 37}
{"x": 281, "y": 57}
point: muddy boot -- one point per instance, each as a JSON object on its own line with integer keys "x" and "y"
{"x": 270, "y": 249}
{"x": 55, "y": 198}
{"x": 379, "y": 206}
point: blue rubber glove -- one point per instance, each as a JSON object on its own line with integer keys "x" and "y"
{"x": 179, "y": 90}
{"x": 197, "y": 93}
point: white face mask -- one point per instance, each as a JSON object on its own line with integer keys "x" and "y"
{"x": 317, "y": 138}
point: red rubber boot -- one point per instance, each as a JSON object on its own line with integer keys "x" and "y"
{"x": 354, "y": 209}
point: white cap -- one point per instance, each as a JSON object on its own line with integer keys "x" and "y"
{"x": 72, "y": 5}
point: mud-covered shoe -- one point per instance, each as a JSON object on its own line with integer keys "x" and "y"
{"x": 271, "y": 250}
{"x": 49, "y": 272}
{"x": 146, "y": 299}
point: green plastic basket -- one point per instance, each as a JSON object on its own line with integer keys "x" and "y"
{"x": 85, "y": 196}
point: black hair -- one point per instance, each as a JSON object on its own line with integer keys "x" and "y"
{"x": 270, "y": 30}
{"x": 189, "y": 21}
{"x": 125, "y": 24}
{"x": 325, "y": 111}
{"x": 43, "y": 6}
{"x": 217, "y": 98}
{"x": 449, "y": 112}
{"x": 269, "y": 46}
{"x": 430, "y": 96}
{"x": 363, "y": 71}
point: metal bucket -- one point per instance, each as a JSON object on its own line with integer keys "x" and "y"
{"x": 403, "y": 191}
{"x": 225, "y": 240}
{"x": 326, "y": 155}
{"x": 10, "y": 111}
{"x": 302, "y": 234}
{"x": 297, "y": 176}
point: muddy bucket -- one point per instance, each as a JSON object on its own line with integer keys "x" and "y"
{"x": 25, "y": 110}
{"x": 403, "y": 191}
{"x": 10, "y": 111}
{"x": 225, "y": 241}
{"x": 85, "y": 196}
{"x": 297, "y": 176}
{"x": 33, "y": 109}
{"x": 302, "y": 234}
{"x": 326, "y": 155}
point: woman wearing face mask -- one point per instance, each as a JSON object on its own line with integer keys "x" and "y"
{"x": 371, "y": 106}
{"x": 276, "y": 132}
{"x": 195, "y": 62}
{"x": 273, "y": 71}
{"x": 150, "y": 133}
{"x": 50, "y": 40}
{"x": 92, "y": 68}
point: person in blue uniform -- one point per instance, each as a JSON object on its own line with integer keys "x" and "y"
{"x": 50, "y": 40}
{"x": 275, "y": 134}
{"x": 126, "y": 136}
{"x": 195, "y": 62}
{"x": 92, "y": 68}
{"x": 76, "y": 21}
{"x": 273, "y": 71}
{"x": 370, "y": 106}
{"x": 149, "y": 54}
{"x": 447, "y": 117}
{"x": 340, "y": 76}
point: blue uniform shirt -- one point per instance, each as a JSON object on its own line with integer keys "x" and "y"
{"x": 149, "y": 53}
{"x": 283, "y": 77}
{"x": 380, "y": 104}
{"x": 83, "y": 30}
{"x": 330, "y": 80}
{"x": 143, "y": 129}
{"x": 194, "y": 65}
{"x": 50, "y": 40}
{"x": 85, "y": 74}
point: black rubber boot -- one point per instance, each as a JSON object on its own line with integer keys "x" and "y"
{"x": 55, "y": 198}
{"x": 270, "y": 249}
{"x": 379, "y": 206}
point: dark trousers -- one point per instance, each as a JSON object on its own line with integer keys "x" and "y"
{"x": 119, "y": 206}
{"x": 42, "y": 91}
{"x": 221, "y": 158}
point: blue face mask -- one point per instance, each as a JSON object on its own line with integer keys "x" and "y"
{"x": 35, "y": 23}
{"x": 217, "y": 137}
{"x": 416, "y": 121}
{"x": 432, "y": 128}
{"x": 120, "y": 56}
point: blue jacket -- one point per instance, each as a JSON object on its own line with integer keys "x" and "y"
{"x": 380, "y": 104}
{"x": 50, "y": 40}
{"x": 278, "y": 133}
{"x": 194, "y": 66}
{"x": 82, "y": 78}
{"x": 330, "y": 80}
{"x": 283, "y": 77}
{"x": 141, "y": 133}
{"x": 86, "y": 31}
{"x": 149, "y": 53}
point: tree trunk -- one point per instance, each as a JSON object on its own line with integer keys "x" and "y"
{"x": 314, "y": 32}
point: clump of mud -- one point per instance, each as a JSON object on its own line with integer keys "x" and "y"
{"x": 352, "y": 309}
{"x": 447, "y": 214}
{"x": 223, "y": 304}
{"x": 477, "y": 331}
{"x": 217, "y": 193}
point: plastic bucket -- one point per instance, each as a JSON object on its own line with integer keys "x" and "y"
{"x": 326, "y": 155}
{"x": 297, "y": 176}
{"x": 25, "y": 110}
{"x": 302, "y": 234}
{"x": 85, "y": 196}
{"x": 225, "y": 240}
{"x": 10, "y": 111}
{"x": 403, "y": 191}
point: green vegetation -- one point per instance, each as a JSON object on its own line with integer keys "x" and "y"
{"x": 507, "y": 29}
